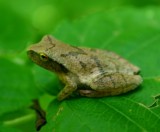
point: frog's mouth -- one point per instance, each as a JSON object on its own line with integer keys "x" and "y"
{"x": 35, "y": 57}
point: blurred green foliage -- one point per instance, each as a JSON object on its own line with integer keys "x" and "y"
{"x": 128, "y": 27}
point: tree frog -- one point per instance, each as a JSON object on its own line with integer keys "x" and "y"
{"x": 86, "y": 71}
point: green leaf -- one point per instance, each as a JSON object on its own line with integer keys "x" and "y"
{"x": 135, "y": 35}
{"x": 113, "y": 114}
{"x": 16, "y": 31}
{"x": 46, "y": 81}
{"x": 17, "y": 86}
{"x": 7, "y": 129}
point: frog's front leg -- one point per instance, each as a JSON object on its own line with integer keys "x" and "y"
{"x": 111, "y": 84}
{"x": 70, "y": 86}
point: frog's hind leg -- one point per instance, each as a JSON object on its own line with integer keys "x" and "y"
{"x": 112, "y": 84}
{"x": 93, "y": 93}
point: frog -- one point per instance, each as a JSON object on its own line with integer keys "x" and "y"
{"x": 89, "y": 72}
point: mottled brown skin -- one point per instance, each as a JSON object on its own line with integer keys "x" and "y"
{"x": 90, "y": 72}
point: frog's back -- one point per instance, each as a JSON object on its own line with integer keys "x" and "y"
{"x": 110, "y": 61}
{"x": 83, "y": 61}
{"x": 121, "y": 64}
{"x": 86, "y": 61}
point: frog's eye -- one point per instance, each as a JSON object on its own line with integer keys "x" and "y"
{"x": 43, "y": 57}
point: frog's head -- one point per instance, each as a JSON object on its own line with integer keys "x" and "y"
{"x": 40, "y": 53}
